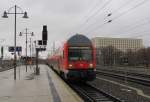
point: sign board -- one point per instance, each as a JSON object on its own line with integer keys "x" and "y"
{"x": 41, "y": 49}
{"x": 42, "y": 42}
{"x": 18, "y": 49}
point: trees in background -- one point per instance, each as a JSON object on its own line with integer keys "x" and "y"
{"x": 111, "y": 56}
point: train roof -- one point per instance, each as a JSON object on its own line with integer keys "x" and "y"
{"x": 79, "y": 40}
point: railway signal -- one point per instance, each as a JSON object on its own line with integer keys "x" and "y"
{"x": 41, "y": 47}
{"x": 44, "y": 33}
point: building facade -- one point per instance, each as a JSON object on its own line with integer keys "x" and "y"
{"x": 122, "y": 44}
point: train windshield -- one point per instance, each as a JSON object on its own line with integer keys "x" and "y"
{"x": 80, "y": 53}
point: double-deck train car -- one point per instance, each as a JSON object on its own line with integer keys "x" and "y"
{"x": 76, "y": 59}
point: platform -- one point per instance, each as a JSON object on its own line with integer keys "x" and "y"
{"x": 47, "y": 87}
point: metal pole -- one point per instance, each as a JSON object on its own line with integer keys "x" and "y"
{"x": 32, "y": 51}
{"x": 15, "y": 46}
{"x": 53, "y": 47}
{"x": 37, "y": 68}
{"x": 30, "y": 47}
{"x": 30, "y": 54}
{"x": 26, "y": 49}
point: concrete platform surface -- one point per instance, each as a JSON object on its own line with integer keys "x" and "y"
{"x": 47, "y": 87}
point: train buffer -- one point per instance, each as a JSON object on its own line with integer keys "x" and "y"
{"x": 46, "y": 87}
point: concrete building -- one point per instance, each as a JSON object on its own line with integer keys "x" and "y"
{"x": 120, "y": 43}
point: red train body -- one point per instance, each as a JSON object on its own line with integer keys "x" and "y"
{"x": 76, "y": 59}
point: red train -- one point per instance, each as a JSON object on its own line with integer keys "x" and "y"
{"x": 76, "y": 59}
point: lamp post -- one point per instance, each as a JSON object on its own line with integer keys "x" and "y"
{"x": 15, "y": 13}
{"x": 31, "y": 52}
{"x": 26, "y": 34}
{"x": 30, "y": 48}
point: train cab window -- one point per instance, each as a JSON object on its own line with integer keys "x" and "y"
{"x": 80, "y": 54}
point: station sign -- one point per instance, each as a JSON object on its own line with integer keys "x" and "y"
{"x": 12, "y": 48}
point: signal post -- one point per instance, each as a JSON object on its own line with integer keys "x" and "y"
{"x": 42, "y": 47}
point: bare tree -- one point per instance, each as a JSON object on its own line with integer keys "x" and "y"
{"x": 131, "y": 56}
{"x": 110, "y": 55}
{"x": 143, "y": 56}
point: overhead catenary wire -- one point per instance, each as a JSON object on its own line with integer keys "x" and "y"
{"x": 95, "y": 13}
{"x": 99, "y": 26}
{"x": 138, "y": 34}
{"x": 93, "y": 8}
{"x": 119, "y": 8}
{"x": 135, "y": 27}
{"x": 88, "y": 14}
{"x": 109, "y": 14}
{"x": 134, "y": 7}
{"x": 122, "y": 6}
{"x": 86, "y": 28}
{"x": 98, "y": 10}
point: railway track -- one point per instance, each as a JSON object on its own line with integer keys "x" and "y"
{"x": 92, "y": 94}
{"x": 127, "y": 77}
{"x": 4, "y": 69}
{"x": 8, "y": 67}
{"x": 126, "y": 73}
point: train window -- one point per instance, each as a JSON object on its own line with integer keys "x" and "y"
{"x": 80, "y": 54}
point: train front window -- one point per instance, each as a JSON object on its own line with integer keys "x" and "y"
{"x": 80, "y": 54}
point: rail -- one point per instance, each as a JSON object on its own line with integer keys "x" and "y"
{"x": 92, "y": 94}
{"x": 135, "y": 79}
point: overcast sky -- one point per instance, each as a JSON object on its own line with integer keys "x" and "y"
{"x": 64, "y": 18}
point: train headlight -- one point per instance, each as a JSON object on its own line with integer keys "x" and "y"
{"x": 70, "y": 65}
{"x": 91, "y": 65}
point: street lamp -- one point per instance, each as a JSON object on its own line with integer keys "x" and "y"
{"x": 5, "y": 15}
{"x": 26, "y": 34}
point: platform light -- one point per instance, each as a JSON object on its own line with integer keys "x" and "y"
{"x": 91, "y": 65}
{"x": 25, "y": 15}
{"x": 32, "y": 34}
{"x": 5, "y": 15}
{"x": 20, "y": 34}
{"x": 26, "y": 34}
{"x": 70, "y": 65}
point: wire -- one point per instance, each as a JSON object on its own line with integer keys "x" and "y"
{"x": 86, "y": 28}
{"x": 85, "y": 17}
{"x": 95, "y": 13}
{"x": 100, "y": 26}
{"x": 139, "y": 33}
{"x": 122, "y": 6}
{"x": 109, "y": 14}
{"x": 92, "y": 9}
{"x": 139, "y": 4}
{"x": 136, "y": 26}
